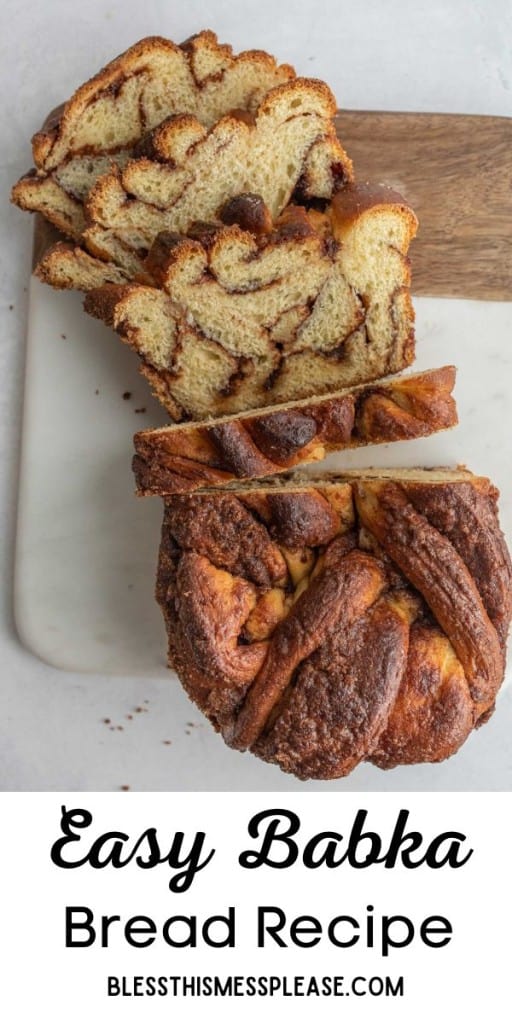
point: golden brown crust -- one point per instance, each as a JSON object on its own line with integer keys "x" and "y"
{"x": 338, "y": 596}
{"x": 357, "y": 198}
{"x": 167, "y": 244}
{"x": 434, "y": 567}
{"x": 59, "y": 265}
{"x": 468, "y": 517}
{"x": 106, "y": 301}
{"x": 45, "y": 196}
{"x": 324, "y": 625}
{"x": 213, "y": 606}
{"x": 408, "y": 406}
{"x": 175, "y": 459}
{"x": 221, "y": 529}
{"x": 359, "y": 203}
{"x": 433, "y": 712}
{"x": 341, "y": 698}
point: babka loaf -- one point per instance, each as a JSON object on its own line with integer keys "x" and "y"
{"x": 184, "y": 457}
{"x": 346, "y": 619}
{"x": 108, "y": 115}
{"x": 184, "y": 173}
{"x": 243, "y": 319}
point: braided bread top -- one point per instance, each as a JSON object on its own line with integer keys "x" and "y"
{"x": 323, "y": 625}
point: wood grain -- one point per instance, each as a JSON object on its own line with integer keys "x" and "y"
{"x": 456, "y": 171}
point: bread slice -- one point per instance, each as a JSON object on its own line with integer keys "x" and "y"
{"x": 188, "y": 456}
{"x": 186, "y": 173}
{"x": 65, "y": 266}
{"x": 108, "y": 115}
{"x": 350, "y": 618}
{"x": 240, "y": 320}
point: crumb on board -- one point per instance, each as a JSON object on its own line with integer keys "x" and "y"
{"x": 11, "y": 307}
{"x": 64, "y": 337}
{"x": 128, "y": 717}
{"x": 97, "y": 391}
{"x": 127, "y": 395}
{"x": 124, "y": 789}
{"x": 167, "y": 743}
{"x": 142, "y": 409}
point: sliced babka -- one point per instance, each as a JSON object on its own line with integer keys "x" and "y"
{"x": 108, "y": 115}
{"x": 186, "y": 456}
{"x": 312, "y": 303}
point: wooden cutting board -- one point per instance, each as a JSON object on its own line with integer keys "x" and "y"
{"x": 456, "y": 171}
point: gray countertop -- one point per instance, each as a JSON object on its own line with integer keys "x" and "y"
{"x": 396, "y": 55}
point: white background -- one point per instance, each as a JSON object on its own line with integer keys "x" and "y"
{"x": 468, "y": 980}
{"x": 387, "y": 55}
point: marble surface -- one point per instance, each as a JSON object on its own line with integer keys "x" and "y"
{"x": 393, "y": 55}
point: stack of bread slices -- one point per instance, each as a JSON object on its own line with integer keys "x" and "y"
{"x": 213, "y": 219}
